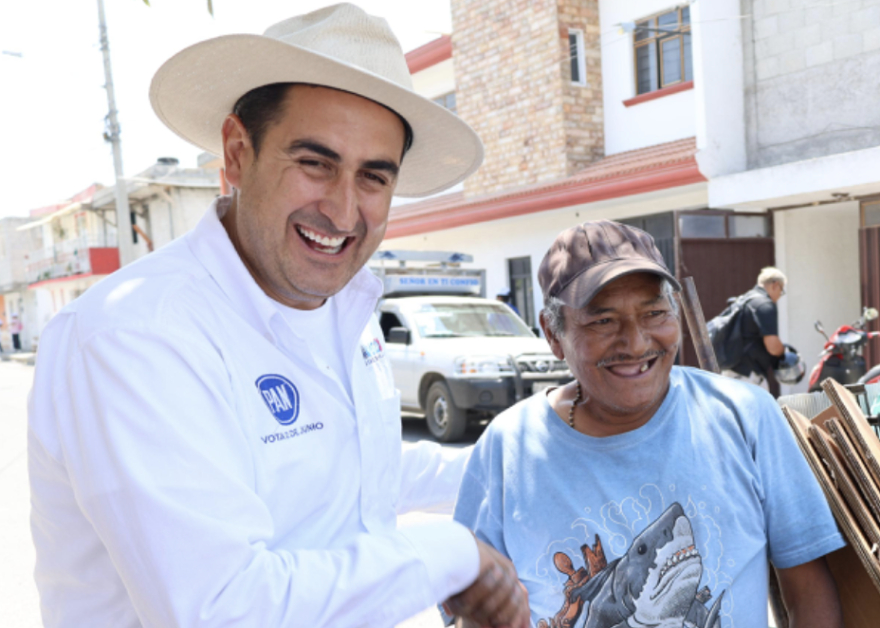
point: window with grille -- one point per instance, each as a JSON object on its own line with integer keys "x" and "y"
{"x": 663, "y": 50}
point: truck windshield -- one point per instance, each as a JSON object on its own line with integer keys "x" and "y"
{"x": 449, "y": 320}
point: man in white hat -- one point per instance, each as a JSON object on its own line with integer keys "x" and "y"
{"x": 214, "y": 430}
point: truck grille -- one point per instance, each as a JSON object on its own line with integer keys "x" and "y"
{"x": 541, "y": 364}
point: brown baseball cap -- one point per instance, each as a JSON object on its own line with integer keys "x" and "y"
{"x": 586, "y": 258}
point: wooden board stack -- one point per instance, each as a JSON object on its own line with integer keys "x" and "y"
{"x": 844, "y": 453}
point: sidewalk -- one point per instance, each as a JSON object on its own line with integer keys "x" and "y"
{"x": 22, "y": 357}
{"x": 19, "y": 605}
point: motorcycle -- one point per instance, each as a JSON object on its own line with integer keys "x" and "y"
{"x": 842, "y": 359}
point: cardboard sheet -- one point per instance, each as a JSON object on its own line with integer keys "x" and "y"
{"x": 831, "y": 455}
{"x": 846, "y": 579}
{"x": 856, "y": 467}
{"x": 856, "y": 426}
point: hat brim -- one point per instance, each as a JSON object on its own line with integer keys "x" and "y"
{"x": 583, "y": 288}
{"x": 194, "y": 91}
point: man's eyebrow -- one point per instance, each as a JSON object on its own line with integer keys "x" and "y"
{"x": 382, "y": 164}
{"x": 385, "y": 165}
{"x": 596, "y": 311}
{"x": 315, "y": 147}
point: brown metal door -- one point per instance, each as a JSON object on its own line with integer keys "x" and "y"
{"x": 869, "y": 267}
{"x": 721, "y": 268}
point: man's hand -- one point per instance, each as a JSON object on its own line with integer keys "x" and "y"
{"x": 496, "y": 598}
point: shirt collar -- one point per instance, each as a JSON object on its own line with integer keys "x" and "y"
{"x": 211, "y": 245}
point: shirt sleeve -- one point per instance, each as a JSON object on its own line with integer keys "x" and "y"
{"x": 767, "y": 318}
{"x": 799, "y": 522}
{"x": 430, "y": 477}
{"x": 480, "y": 500}
{"x": 159, "y": 465}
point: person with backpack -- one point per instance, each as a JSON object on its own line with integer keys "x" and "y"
{"x": 746, "y": 334}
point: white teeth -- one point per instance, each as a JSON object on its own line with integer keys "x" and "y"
{"x": 644, "y": 368}
{"x": 322, "y": 240}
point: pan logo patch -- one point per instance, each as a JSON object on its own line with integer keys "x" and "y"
{"x": 281, "y": 397}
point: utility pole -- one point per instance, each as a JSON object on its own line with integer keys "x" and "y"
{"x": 111, "y": 134}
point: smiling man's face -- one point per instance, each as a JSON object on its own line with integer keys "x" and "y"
{"x": 621, "y": 348}
{"x": 312, "y": 207}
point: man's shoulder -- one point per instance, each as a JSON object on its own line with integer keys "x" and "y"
{"x": 757, "y": 299}
{"x": 511, "y": 427}
{"x": 150, "y": 291}
{"x": 698, "y": 384}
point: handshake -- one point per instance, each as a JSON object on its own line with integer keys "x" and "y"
{"x": 496, "y": 598}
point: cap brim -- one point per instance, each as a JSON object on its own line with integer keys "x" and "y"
{"x": 583, "y": 288}
{"x": 194, "y": 91}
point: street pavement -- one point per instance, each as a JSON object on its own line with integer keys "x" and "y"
{"x": 19, "y": 604}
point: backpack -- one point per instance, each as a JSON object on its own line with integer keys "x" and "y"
{"x": 726, "y": 332}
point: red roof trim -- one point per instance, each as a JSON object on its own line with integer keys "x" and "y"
{"x": 455, "y": 212}
{"x": 430, "y": 54}
{"x": 659, "y": 93}
{"x": 45, "y": 282}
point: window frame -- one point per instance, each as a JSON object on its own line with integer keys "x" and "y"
{"x": 579, "y": 56}
{"x": 656, "y": 38}
{"x": 445, "y": 98}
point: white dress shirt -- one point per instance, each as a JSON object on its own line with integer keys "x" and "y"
{"x": 192, "y": 463}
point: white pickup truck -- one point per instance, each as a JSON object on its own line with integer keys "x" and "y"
{"x": 459, "y": 358}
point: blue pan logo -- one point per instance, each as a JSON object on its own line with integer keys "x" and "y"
{"x": 281, "y": 397}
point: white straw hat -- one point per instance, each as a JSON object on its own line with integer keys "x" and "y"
{"x": 340, "y": 47}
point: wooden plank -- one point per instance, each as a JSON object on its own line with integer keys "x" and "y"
{"x": 693, "y": 312}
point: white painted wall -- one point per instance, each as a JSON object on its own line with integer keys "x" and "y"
{"x": 437, "y": 80}
{"x": 653, "y": 122}
{"x": 169, "y": 221}
{"x": 718, "y": 87}
{"x": 801, "y": 182}
{"x": 818, "y": 249}
{"x": 493, "y": 243}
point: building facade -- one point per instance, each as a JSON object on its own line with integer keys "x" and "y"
{"x": 64, "y": 249}
{"x": 740, "y": 134}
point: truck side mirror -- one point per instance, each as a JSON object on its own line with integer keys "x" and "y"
{"x": 398, "y": 336}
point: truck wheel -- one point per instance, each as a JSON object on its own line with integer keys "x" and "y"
{"x": 446, "y": 421}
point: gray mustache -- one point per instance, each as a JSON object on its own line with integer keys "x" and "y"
{"x": 628, "y": 359}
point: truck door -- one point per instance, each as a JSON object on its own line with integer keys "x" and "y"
{"x": 401, "y": 357}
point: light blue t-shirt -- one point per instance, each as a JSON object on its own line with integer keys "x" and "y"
{"x": 670, "y": 524}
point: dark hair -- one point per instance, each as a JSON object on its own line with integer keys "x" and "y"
{"x": 260, "y": 108}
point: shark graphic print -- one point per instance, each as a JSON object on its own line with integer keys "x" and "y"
{"x": 654, "y": 584}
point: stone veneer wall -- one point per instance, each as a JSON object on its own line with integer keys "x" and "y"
{"x": 513, "y": 85}
{"x": 811, "y": 83}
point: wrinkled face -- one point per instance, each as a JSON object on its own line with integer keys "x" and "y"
{"x": 621, "y": 347}
{"x": 312, "y": 207}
